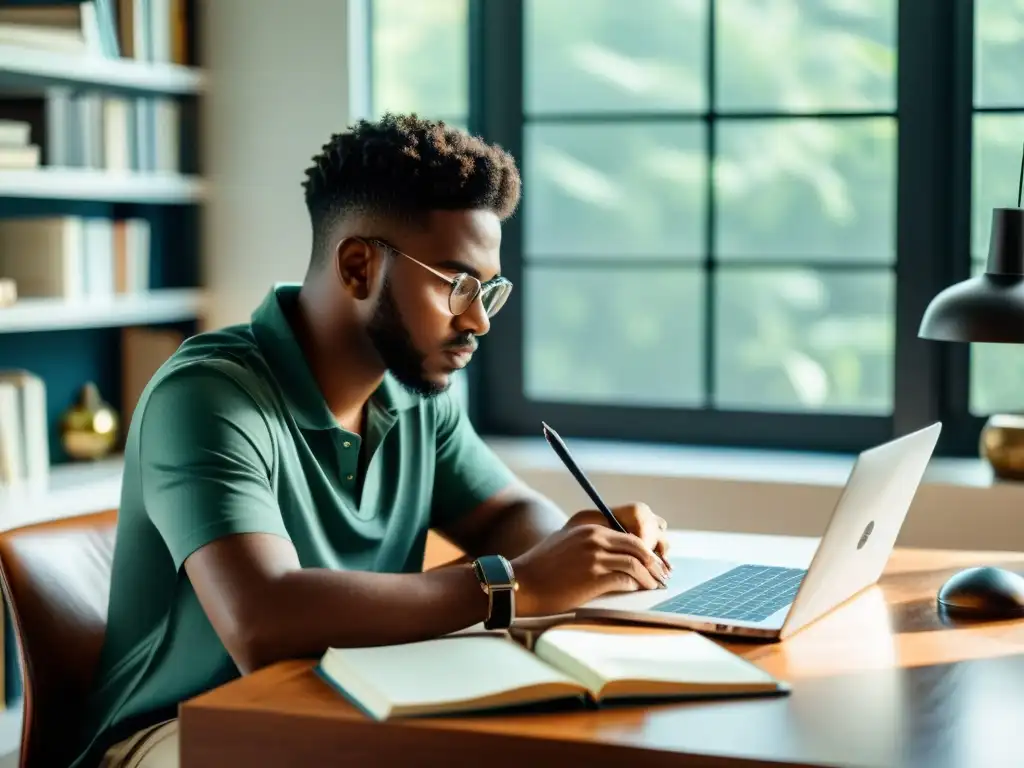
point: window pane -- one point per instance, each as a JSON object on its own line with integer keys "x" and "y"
{"x": 614, "y": 55}
{"x": 797, "y": 339}
{"x": 616, "y": 335}
{"x": 614, "y": 190}
{"x": 998, "y": 53}
{"x": 420, "y": 57}
{"x": 997, "y": 371}
{"x": 998, "y": 142}
{"x": 806, "y": 189}
{"x": 794, "y": 55}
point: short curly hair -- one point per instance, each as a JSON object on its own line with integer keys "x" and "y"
{"x": 403, "y": 167}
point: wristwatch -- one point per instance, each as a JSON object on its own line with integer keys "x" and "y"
{"x": 500, "y": 585}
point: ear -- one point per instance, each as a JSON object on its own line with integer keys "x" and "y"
{"x": 356, "y": 263}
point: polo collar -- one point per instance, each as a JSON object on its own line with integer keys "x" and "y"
{"x": 277, "y": 342}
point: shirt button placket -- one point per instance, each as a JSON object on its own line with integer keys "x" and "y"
{"x": 348, "y": 444}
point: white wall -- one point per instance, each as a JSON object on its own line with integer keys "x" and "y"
{"x": 278, "y": 90}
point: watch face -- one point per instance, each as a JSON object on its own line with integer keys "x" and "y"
{"x": 495, "y": 571}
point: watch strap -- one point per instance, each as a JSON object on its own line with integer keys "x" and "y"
{"x": 495, "y": 574}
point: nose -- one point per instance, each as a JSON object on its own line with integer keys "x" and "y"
{"x": 474, "y": 320}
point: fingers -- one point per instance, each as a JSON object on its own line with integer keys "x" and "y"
{"x": 638, "y": 519}
{"x": 627, "y": 544}
{"x": 662, "y": 546}
{"x": 633, "y": 568}
{"x": 661, "y": 550}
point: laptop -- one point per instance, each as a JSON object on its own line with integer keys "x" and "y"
{"x": 772, "y": 600}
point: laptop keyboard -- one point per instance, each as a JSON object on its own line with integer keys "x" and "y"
{"x": 746, "y": 593}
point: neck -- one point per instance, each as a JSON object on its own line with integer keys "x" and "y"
{"x": 345, "y": 367}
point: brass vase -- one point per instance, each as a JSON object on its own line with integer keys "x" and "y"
{"x": 1002, "y": 445}
{"x": 89, "y": 428}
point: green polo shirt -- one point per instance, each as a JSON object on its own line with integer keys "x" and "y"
{"x": 231, "y": 436}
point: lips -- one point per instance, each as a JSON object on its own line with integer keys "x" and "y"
{"x": 460, "y": 356}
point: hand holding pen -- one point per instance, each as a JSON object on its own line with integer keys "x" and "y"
{"x": 643, "y": 519}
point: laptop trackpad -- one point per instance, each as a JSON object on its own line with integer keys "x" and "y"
{"x": 686, "y": 573}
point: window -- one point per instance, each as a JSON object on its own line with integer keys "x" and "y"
{"x": 734, "y": 212}
{"x": 707, "y": 242}
{"x": 725, "y": 227}
{"x": 997, "y": 371}
{"x": 419, "y": 59}
{"x": 418, "y": 62}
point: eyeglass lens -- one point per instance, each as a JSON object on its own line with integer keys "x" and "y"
{"x": 465, "y": 291}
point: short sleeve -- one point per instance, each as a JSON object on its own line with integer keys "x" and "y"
{"x": 205, "y": 455}
{"x": 467, "y": 472}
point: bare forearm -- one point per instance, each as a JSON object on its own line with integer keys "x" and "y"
{"x": 520, "y": 526}
{"x": 309, "y": 610}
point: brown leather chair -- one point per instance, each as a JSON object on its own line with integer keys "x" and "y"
{"x": 55, "y": 578}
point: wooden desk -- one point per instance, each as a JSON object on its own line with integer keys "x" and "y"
{"x": 881, "y": 681}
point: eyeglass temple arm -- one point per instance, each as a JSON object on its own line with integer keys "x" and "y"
{"x": 382, "y": 244}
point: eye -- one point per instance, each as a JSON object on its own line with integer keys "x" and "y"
{"x": 464, "y": 292}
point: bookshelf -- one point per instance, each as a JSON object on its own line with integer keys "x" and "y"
{"x": 159, "y": 306}
{"x": 86, "y": 184}
{"x": 27, "y": 68}
{"x": 115, "y": 123}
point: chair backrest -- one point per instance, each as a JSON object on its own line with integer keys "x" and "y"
{"x": 55, "y": 577}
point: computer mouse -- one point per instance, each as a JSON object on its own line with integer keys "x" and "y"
{"x": 984, "y": 592}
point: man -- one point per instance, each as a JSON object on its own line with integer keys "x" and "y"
{"x": 281, "y": 475}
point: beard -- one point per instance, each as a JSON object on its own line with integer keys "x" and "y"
{"x": 393, "y": 342}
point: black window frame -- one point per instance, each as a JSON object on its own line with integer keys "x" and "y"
{"x": 934, "y": 112}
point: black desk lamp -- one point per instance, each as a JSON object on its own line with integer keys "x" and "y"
{"x": 986, "y": 308}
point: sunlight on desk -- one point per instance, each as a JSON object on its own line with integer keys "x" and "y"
{"x": 864, "y": 634}
{"x": 880, "y": 681}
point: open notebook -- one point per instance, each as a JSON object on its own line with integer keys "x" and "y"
{"x": 467, "y": 673}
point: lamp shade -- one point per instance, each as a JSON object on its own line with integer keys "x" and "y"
{"x": 989, "y": 307}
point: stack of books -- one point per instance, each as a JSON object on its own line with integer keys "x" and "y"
{"x": 16, "y": 149}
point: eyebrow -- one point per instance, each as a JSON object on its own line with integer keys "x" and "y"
{"x": 461, "y": 266}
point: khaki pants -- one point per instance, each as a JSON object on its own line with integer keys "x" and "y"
{"x": 152, "y": 747}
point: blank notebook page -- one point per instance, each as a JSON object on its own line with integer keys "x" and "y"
{"x": 670, "y": 656}
{"x": 450, "y": 669}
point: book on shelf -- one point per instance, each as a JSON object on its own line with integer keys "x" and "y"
{"x": 24, "y": 439}
{"x": 75, "y": 257}
{"x": 153, "y": 30}
{"x": 16, "y": 147}
{"x": 101, "y": 131}
{"x": 590, "y": 663}
{"x": 92, "y": 128}
{"x": 72, "y": 28}
{"x": 143, "y": 30}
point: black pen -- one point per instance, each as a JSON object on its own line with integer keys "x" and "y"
{"x": 555, "y": 441}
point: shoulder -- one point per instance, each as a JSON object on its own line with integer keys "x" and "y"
{"x": 212, "y": 380}
{"x": 210, "y": 370}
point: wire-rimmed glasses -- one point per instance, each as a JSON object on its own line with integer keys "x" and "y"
{"x": 465, "y": 288}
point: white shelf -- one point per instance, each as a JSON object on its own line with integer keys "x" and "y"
{"x": 71, "y": 489}
{"x": 160, "y": 306}
{"x": 33, "y": 68}
{"x": 53, "y": 183}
